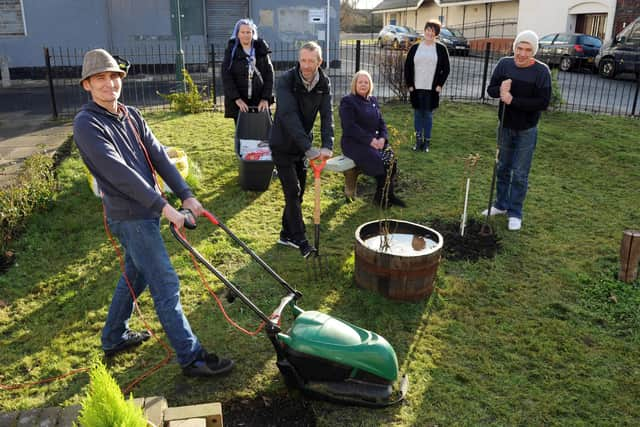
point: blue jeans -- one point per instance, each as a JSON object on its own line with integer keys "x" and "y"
{"x": 423, "y": 122}
{"x": 147, "y": 264}
{"x": 514, "y": 163}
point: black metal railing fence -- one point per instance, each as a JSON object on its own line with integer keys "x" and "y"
{"x": 153, "y": 72}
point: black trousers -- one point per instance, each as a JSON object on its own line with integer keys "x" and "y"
{"x": 293, "y": 177}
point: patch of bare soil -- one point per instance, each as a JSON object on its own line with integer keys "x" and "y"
{"x": 470, "y": 247}
{"x": 268, "y": 411}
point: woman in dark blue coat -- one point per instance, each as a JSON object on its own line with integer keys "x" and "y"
{"x": 365, "y": 139}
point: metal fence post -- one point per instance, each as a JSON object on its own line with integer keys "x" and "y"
{"x": 357, "y": 56}
{"x": 213, "y": 73}
{"x": 635, "y": 98}
{"x": 52, "y": 93}
{"x": 487, "y": 51}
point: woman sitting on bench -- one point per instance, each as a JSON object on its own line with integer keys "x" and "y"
{"x": 364, "y": 138}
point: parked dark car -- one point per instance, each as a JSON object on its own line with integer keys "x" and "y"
{"x": 622, "y": 53}
{"x": 398, "y": 36}
{"x": 454, "y": 41}
{"x": 569, "y": 50}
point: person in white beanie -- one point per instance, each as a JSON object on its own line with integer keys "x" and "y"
{"x": 523, "y": 85}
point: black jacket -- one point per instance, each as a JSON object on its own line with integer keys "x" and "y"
{"x": 439, "y": 79}
{"x": 236, "y": 78}
{"x": 296, "y": 111}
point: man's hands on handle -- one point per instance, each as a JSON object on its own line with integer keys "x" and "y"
{"x": 178, "y": 217}
{"x": 322, "y": 154}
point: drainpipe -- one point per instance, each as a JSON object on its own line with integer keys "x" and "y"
{"x": 328, "y": 32}
{"x": 4, "y": 71}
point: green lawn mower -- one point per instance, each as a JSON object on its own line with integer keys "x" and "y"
{"x": 324, "y": 357}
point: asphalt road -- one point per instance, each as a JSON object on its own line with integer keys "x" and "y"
{"x": 581, "y": 91}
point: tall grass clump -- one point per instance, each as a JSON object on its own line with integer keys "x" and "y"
{"x": 32, "y": 190}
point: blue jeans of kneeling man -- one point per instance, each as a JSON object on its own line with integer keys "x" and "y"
{"x": 514, "y": 164}
{"x": 147, "y": 264}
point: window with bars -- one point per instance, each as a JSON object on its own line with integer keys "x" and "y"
{"x": 12, "y": 18}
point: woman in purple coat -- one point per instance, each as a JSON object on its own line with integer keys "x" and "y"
{"x": 364, "y": 137}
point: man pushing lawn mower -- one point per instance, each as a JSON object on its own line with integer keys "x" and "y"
{"x": 124, "y": 156}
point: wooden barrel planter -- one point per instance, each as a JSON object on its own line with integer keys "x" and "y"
{"x": 401, "y": 267}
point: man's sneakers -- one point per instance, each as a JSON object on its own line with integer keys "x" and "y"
{"x": 207, "y": 365}
{"x": 494, "y": 211}
{"x": 286, "y": 241}
{"x": 132, "y": 339}
{"x": 305, "y": 248}
{"x": 515, "y": 224}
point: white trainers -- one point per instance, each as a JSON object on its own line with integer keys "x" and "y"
{"x": 494, "y": 211}
{"x": 515, "y": 224}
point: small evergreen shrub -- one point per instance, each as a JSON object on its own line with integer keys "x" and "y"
{"x": 190, "y": 101}
{"x": 104, "y": 404}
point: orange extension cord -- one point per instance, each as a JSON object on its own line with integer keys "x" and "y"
{"x": 169, "y": 352}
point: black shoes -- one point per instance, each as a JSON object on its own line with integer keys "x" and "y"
{"x": 423, "y": 145}
{"x": 286, "y": 241}
{"x": 208, "y": 365}
{"x": 306, "y": 249}
{"x": 133, "y": 339}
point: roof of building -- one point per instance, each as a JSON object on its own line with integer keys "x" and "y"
{"x": 398, "y": 4}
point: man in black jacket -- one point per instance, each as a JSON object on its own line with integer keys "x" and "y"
{"x": 302, "y": 92}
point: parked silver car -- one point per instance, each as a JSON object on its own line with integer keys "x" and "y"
{"x": 398, "y": 36}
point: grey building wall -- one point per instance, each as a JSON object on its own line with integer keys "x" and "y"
{"x": 287, "y": 22}
{"x": 60, "y": 23}
{"x": 76, "y": 26}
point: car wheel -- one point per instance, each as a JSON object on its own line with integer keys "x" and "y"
{"x": 396, "y": 44}
{"x": 607, "y": 68}
{"x": 380, "y": 44}
{"x": 565, "y": 63}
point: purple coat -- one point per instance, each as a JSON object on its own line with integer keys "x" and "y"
{"x": 361, "y": 122}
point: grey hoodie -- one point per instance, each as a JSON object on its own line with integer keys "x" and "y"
{"x": 111, "y": 151}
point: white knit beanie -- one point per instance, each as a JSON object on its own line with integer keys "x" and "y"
{"x": 527, "y": 36}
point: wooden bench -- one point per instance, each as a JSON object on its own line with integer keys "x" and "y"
{"x": 347, "y": 166}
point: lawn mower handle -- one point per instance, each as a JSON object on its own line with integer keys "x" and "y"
{"x": 248, "y": 250}
{"x": 293, "y": 295}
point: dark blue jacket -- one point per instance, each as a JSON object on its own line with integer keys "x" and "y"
{"x": 110, "y": 149}
{"x": 530, "y": 88}
{"x": 361, "y": 122}
{"x": 296, "y": 111}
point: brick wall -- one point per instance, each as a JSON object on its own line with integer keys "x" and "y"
{"x": 626, "y": 11}
{"x": 11, "y": 22}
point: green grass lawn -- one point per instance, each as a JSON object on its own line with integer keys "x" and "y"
{"x": 543, "y": 334}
